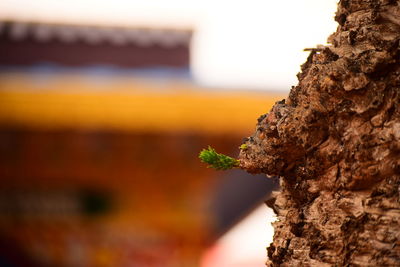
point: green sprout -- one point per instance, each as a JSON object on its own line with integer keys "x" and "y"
{"x": 216, "y": 160}
{"x": 243, "y": 147}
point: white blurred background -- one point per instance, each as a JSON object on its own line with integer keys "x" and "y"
{"x": 256, "y": 44}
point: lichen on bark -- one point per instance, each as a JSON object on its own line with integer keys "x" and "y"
{"x": 335, "y": 143}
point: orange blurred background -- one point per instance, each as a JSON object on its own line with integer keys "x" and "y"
{"x": 99, "y": 163}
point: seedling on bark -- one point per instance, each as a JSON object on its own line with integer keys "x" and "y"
{"x": 216, "y": 160}
{"x": 243, "y": 147}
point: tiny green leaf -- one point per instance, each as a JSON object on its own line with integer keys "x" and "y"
{"x": 243, "y": 147}
{"x": 216, "y": 160}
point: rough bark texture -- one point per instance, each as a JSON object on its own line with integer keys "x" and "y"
{"x": 335, "y": 142}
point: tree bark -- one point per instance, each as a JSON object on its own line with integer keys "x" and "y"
{"x": 335, "y": 143}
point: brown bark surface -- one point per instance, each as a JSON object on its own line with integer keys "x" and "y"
{"x": 335, "y": 142}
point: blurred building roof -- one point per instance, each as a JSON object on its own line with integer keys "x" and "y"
{"x": 44, "y": 32}
{"x": 27, "y": 43}
{"x": 57, "y": 96}
{"x": 127, "y": 103}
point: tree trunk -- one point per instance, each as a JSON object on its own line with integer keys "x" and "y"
{"x": 335, "y": 143}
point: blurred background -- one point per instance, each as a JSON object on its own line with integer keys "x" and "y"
{"x": 104, "y": 107}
